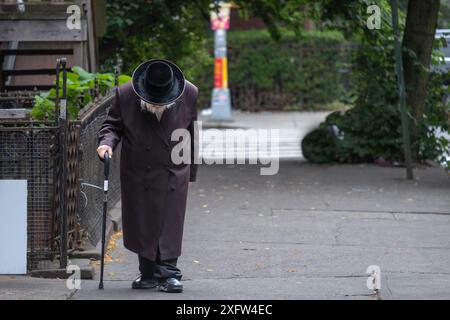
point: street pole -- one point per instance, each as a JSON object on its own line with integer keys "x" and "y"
{"x": 221, "y": 99}
{"x": 402, "y": 91}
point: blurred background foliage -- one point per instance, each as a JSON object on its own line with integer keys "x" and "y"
{"x": 296, "y": 72}
{"x": 304, "y": 69}
{"x": 341, "y": 64}
{"x": 371, "y": 130}
{"x": 444, "y": 15}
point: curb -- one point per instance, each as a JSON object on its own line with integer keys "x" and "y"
{"x": 86, "y": 272}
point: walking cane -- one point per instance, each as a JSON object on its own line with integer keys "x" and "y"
{"x": 105, "y": 209}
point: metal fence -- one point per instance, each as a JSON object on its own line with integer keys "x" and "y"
{"x": 63, "y": 206}
{"x": 29, "y": 151}
{"x": 90, "y": 170}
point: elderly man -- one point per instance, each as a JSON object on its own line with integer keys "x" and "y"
{"x": 143, "y": 116}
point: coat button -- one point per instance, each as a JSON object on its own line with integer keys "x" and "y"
{"x": 148, "y": 168}
{"x": 147, "y": 149}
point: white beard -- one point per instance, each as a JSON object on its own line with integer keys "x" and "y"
{"x": 153, "y": 108}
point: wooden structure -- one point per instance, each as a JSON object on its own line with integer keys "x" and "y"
{"x": 33, "y": 34}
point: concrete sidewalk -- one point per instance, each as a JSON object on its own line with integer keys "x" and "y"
{"x": 291, "y": 126}
{"x": 301, "y": 120}
{"x": 309, "y": 232}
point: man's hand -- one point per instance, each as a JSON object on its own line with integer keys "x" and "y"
{"x": 102, "y": 149}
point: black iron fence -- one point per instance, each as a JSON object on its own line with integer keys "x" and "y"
{"x": 90, "y": 170}
{"x": 64, "y": 205}
{"x": 29, "y": 151}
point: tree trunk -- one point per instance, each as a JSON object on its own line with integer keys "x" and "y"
{"x": 421, "y": 23}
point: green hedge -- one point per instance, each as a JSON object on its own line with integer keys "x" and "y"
{"x": 295, "y": 73}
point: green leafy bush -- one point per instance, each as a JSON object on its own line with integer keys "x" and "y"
{"x": 436, "y": 118}
{"x": 80, "y": 87}
{"x": 372, "y": 128}
{"x": 353, "y": 136}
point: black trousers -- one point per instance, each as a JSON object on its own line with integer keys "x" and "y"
{"x": 159, "y": 269}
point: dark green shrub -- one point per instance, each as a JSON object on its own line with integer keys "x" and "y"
{"x": 295, "y": 73}
{"x": 372, "y": 128}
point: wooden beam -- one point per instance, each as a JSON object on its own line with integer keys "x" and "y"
{"x": 33, "y": 16}
{"x": 40, "y": 30}
{"x": 92, "y": 43}
{"x": 14, "y": 113}
{"x": 2, "y": 81}
{"x": 35, "y": 52}
{"x": 30, "y": 72}
{"x": 35, "y": 10}
{"x": 29, "y": 87}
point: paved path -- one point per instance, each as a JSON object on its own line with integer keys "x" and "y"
{"x": 309, "y": 232}
{"x": 291, "y": 126}
{"x": 303, "y": 120}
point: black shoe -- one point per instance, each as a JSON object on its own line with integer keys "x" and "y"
{"x": 170, "y": 285}
{"x": 143, "y": 283}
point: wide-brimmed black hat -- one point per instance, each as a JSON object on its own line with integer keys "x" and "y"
{"x": 158, "y": 81}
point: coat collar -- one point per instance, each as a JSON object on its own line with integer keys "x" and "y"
{"x": 162, "y": 128}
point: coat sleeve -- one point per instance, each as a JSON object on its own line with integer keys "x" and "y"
{"x": 111, "y": 131}
{"x": 193, "y": 130}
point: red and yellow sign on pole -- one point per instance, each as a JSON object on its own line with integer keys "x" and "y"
{"x": 220, "y": 73}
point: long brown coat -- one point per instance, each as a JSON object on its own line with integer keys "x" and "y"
{"x": 154, "y": 190}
